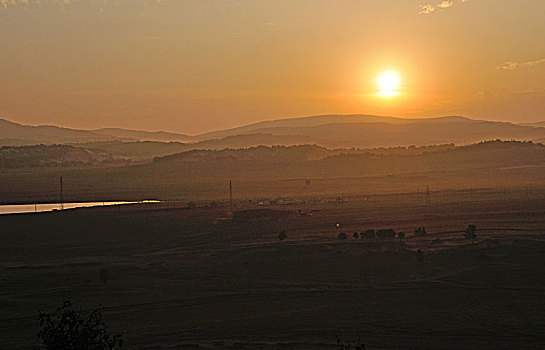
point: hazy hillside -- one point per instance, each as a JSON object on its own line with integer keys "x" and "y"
{"x": 301, "y": 122}
{"x": 46, "y": 134}
{"x": 146, "y": 150}
{"x": 137, "y": 150}
{"x": 256, "y": 156}
{"x": 252, "y": 140}
{"x": 329, "y": 131}
{"x": 143, "y": 135}
{"x": 52, "y": 155}
{"x": 275, "y": 171}
{"x": 315, "y": 161}
{"x": 322, "y": 120}
{"x": 372, "y": 131}
{"x": 537, "y": 124}
{"x": 17, "y": 134}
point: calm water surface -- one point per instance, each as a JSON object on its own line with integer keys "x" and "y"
{"x": 40, "y": 208}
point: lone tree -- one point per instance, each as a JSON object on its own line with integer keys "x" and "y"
{"x": 471, "y": 232}
{"x": 69, "y": 329}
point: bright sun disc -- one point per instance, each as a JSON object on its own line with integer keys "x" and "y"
{"x": 388, "y": 84}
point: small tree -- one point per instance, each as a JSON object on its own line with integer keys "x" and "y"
{"x": 471, "y": 232}
{"x": 420, "y": 255}
{"x": 70, "y": 329}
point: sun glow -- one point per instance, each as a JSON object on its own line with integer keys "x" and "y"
{"x": 388, "y": 84}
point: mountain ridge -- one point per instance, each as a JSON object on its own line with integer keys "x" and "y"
{"x": 330, "y": 131}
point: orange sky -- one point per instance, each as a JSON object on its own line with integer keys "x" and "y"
{"x": 192, "y": 66}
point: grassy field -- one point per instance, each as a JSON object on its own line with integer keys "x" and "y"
{"x": 182, "y": 278}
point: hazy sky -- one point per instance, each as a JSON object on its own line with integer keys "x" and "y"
{"x": 198, "y": 65}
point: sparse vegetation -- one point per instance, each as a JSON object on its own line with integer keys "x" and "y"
{"x": 369, "y": 234}
{"x": 385, "y": 234}
{"x": 419, "y": 255}
{"x": 165, "y": 260}
{"x": 71, "y": 329}
{"x": 343, "y": 345}
{"x": 420, "y": 231}
{"x": 471, "y": 232}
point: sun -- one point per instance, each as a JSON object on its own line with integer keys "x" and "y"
{"x": 388, "y": 83}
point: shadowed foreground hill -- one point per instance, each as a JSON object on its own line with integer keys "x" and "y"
{"x": 178, "y": 278}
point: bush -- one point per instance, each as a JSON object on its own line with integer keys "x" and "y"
{"x": 69, "y": 329}
{"x": 471, "y": 232}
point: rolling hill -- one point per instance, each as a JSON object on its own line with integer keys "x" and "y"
{"x": 164, "y": 136}
{"x": 54, "y": 156}
{"x": 12, "y": 134}
{"x": 536, "y": 124}
{"x": 374, "y": 131}
{"x": 267, "y": 172}
{"x": 329, "y": 131}
{"x": 312, "y": 160}
{"x": 16, "y": 133}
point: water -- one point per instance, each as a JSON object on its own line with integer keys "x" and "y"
{"x": 42, "y": 208}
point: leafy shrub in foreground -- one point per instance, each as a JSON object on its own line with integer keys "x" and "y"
{"x": 70, "y": 329}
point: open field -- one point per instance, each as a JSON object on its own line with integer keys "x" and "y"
{"x": 182, "y": 278}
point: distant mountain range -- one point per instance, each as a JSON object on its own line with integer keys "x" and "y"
{"x": 374, "y": 131}
{"x": 163, "y": 136}
{"x": 330, "y": 131}
{"x": 14, "y": 134}
{"x": 538, "y": 124}
{"x": 17, "y": 134}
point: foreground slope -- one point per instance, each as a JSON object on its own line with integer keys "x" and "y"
{"x": 179, "y": 278}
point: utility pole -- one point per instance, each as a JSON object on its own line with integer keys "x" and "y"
{"x": 428, "y": 201}
{"x": 231, "y": 196}
{"x": 61, "y": 195}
